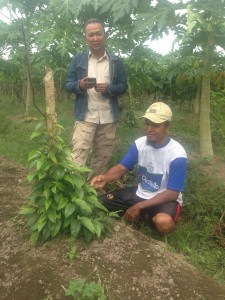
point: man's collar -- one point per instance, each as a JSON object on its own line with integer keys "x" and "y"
{"x": 105, "y": 55}
{"x": 158, "y": 146}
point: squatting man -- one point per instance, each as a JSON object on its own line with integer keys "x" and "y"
{"x": 162, "y": 164}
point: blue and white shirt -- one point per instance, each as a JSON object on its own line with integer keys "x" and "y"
{"x": 159, "y": 168}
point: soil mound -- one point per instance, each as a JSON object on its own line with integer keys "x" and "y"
{"x": 129, "y": 264}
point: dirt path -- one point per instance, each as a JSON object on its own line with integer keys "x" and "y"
{"x": 130, "y": 265}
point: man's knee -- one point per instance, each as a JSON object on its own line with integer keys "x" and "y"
{"x": 82, "y": 141}
{"x": 79, "y": 156}
{"x": 164, "y": 223}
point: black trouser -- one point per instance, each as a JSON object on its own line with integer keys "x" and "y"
{"x": 122, "y": 199}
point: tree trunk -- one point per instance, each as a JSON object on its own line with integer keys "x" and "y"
{"x": 206, "y": 149}
{"x": 29, "y": 97}
{"x": 196, "y": 102}
{"x": 50, "y": 102}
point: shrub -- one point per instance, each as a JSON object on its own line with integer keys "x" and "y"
{"x": 61, "y": 200}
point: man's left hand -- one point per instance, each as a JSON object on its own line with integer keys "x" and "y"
{"x": 132, "y": 214}
{"x": 101, "y": 88}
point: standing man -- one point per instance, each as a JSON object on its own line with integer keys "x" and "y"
{"x": 97, "y": 78}
{"x": 161, "y": 173}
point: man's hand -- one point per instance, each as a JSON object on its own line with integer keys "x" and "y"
{"x": 101, "y": 88}
{"x": 98, "y": 182}
{"x": 133, "y": 213}
{"x": 85, "y": 84}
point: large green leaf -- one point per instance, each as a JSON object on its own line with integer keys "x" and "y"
{"x": 58, "y": 173}
{"x": 69, "y": 209}
{"x": 47, "y": 203}
{"x": 68, "y": 221}
{"x": 41, "y": 222}
{"x": 46, "y": 192}
{"x": 69, "y": 179}
{"x": 79, "y": 181}
{"x": 87, "y": 223}
{"x": 98, "y": 228}
{"x": 119, "y": 9}
{"x": 32, "y": 219}
{"x": 34, "y": 154}
{"x": 54, "y": 188}
{"x": 53, "y": 157}
{"x": 35, "y": 134}
{"x": 88, "y": 235}
{"x": 46, "y": 233}
{"x": 39, "y": 163}
{"x": 34, "y": 237}
{"x": 80, "y": 193}
{"x": 84, "y": 207}
{"x": 41, "y": 175}
{"x": 75, "y": 227}
{"x": 55, "y": 227}
{"x": 96, "y": 203}
{"x": 25, "y": 210}
{"x": 31, "y": 176}
{"x": 62, "y": 202}
{"x": 52, "y": 215}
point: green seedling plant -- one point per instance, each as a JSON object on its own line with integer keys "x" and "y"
{"x": 81, "y": 290}
{"x": 72, "y": 254}
{"x": 61, "y": 201}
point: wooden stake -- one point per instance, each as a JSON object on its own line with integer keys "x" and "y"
{"x": 50, "y": 101}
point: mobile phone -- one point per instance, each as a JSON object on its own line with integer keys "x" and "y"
{"x": 92, "y": 80}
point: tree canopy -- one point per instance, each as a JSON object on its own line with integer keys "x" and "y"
{"x": 49, "y": 32}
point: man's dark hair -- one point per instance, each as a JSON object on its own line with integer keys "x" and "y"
{"x": 92, "y": 21}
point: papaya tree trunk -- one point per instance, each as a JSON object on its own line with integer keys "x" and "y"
{"x": 206, "y": 149}
{"x": 29, "y": 97}
{"x": 196, "y": 103}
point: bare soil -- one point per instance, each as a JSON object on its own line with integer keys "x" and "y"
{"x": 129, "y": 264}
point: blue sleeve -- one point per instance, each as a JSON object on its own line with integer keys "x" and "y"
{"x": 72, "y": 79}
{"x": 178, "y": 168}
{"x": 119, "y": 84}
{"x": 131, "y": 158}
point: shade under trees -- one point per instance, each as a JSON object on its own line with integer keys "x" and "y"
{"x": 49, "y": 32}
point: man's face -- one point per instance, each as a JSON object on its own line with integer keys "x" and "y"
{"x": 156, "y": 133}
{"x": 95, "y": 37}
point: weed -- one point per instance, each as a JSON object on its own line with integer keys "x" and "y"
{"x": 72, "y": 254}
{"x": 81, "y": 290}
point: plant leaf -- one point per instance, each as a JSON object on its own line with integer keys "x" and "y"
{"x": 52, "y": 214}
{"x": 98, "y": 228}
{"x": 85, "y": 208}
{"x": 26, "y": 210}
{"x": 62, "y": 202}
{"x": 75, "y": 227}
{"x": 47, "y": 203}
{"x": 34, "y": 237}
{"x": 87, "y": 223}
{"x": 69, "y": 209}
{"x": 56, "y": 227}
{"x": 41, "y": 222}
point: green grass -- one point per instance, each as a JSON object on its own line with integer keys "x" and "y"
{"x": 15, "y": 130}
{"x": 204, "y": 197}
{"x": 203, "y": 210}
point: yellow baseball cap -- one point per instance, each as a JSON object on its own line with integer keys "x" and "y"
{"x": 158, "y": 112}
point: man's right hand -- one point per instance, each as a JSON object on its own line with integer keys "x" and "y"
{"x": 85, "y": 84}
{"x": 98, "y": 182}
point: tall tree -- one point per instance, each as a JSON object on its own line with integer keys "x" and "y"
{"x": 20, "y": 38}
{"x": 206, "y": 28}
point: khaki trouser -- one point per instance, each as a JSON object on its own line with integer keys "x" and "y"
{"x": 98, "y": 137}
